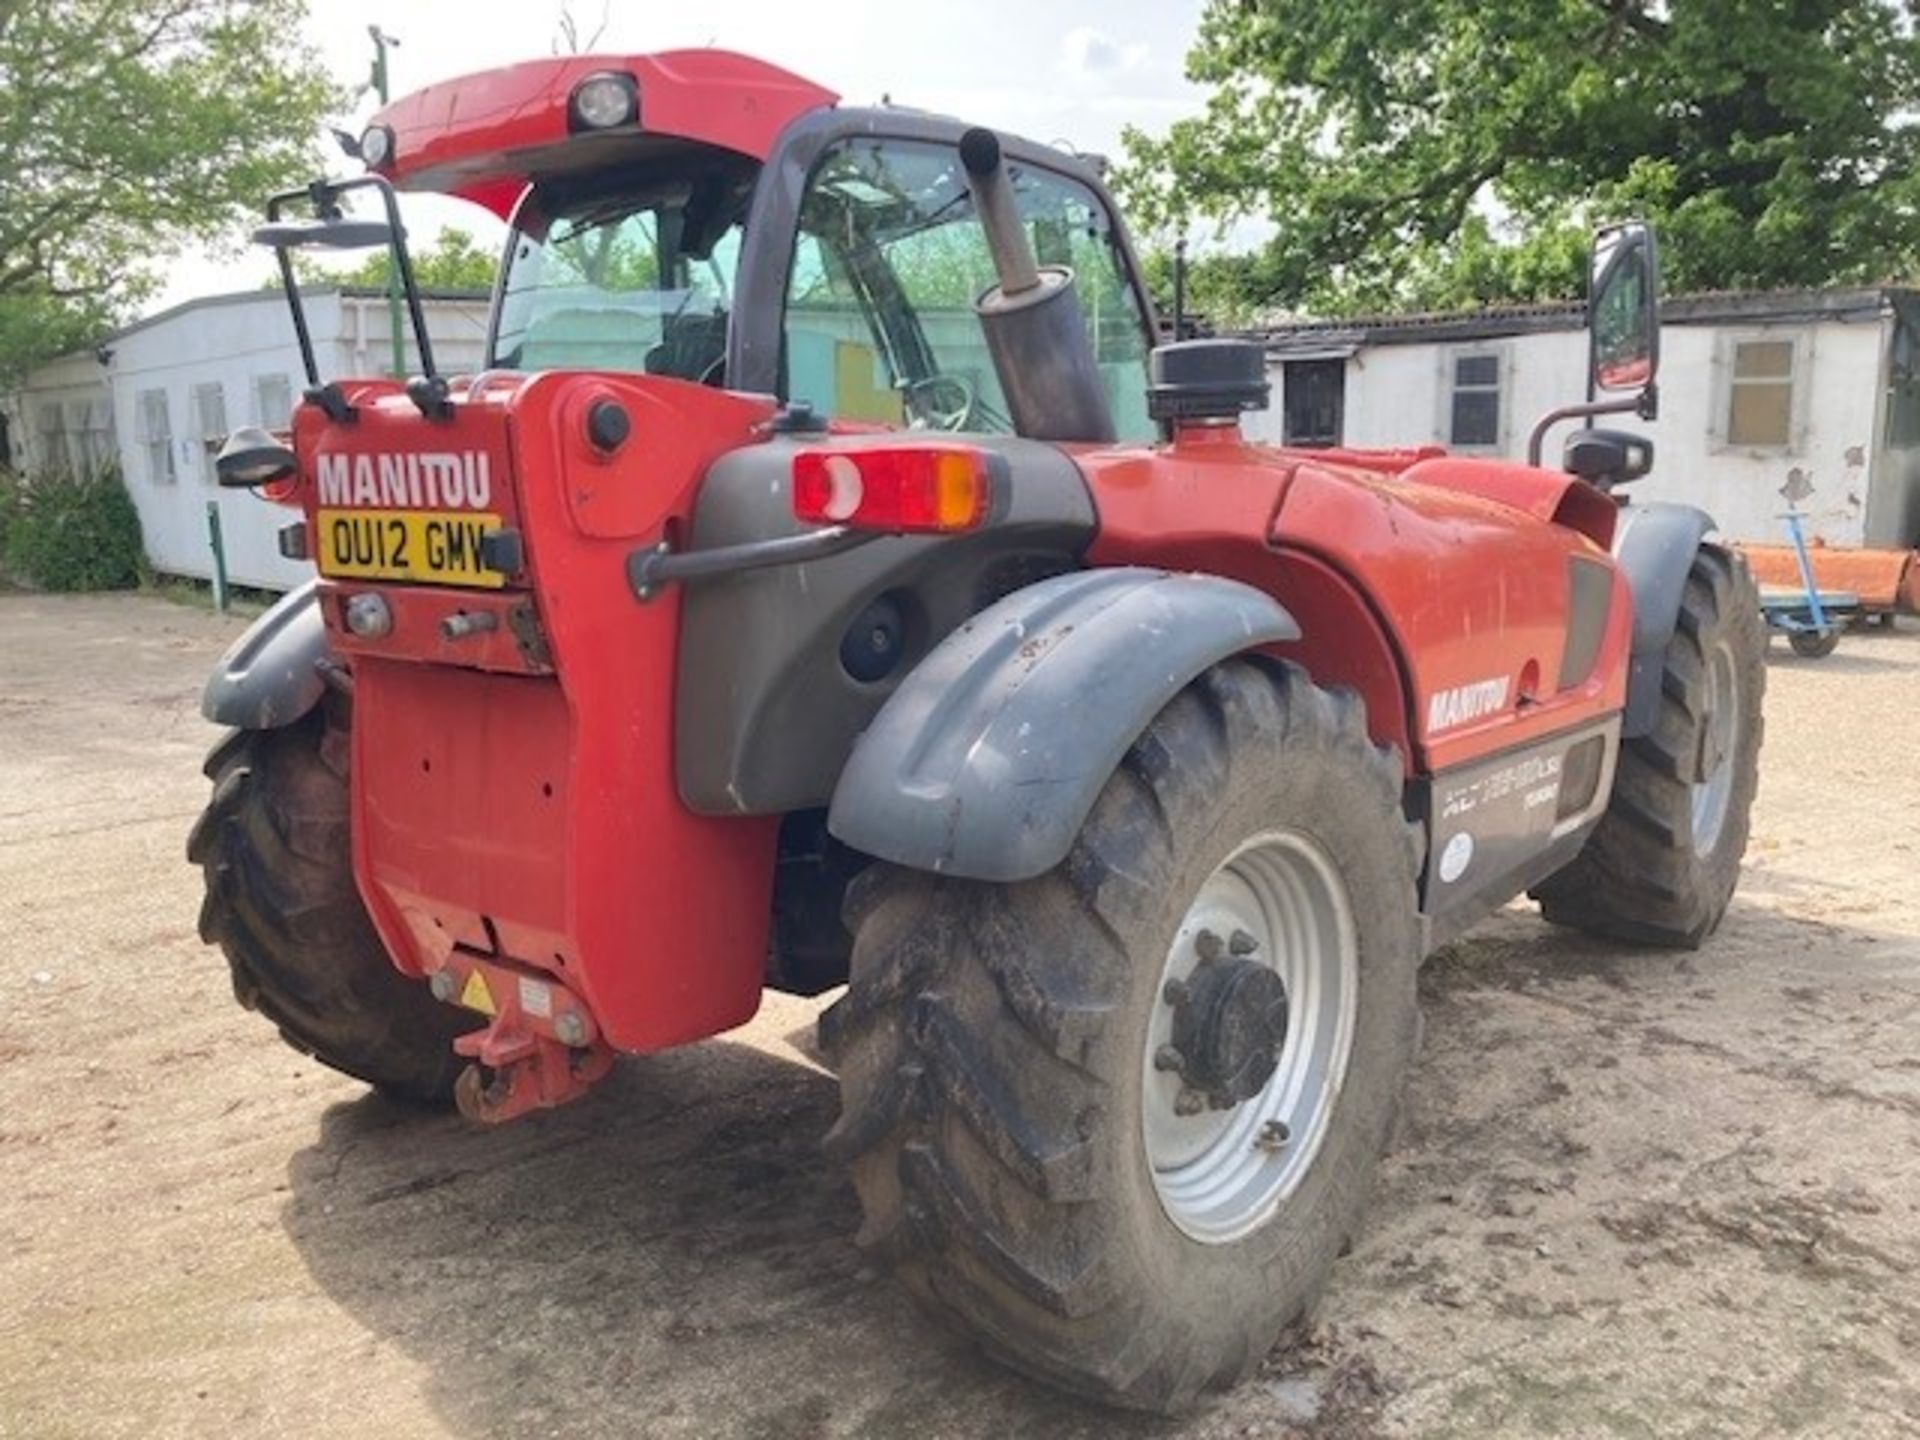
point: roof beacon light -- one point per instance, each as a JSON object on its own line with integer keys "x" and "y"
{"x": 904, "y": 489}
{"x": 604, "y": 101}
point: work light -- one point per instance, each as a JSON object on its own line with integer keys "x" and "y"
{"x": 605, "y": 100}
{"x": 376, "y": 146}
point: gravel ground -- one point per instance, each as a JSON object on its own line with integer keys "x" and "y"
{"x": 1635, "y": 1193}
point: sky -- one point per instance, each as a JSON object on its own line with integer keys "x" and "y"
{"x": 1076, "y": 71}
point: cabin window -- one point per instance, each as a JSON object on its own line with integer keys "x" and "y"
{"x": 1313, "y": 403}
{"x": 1760, "y": 395}
{"x": 156, "y": 436}
{"x": 210, "y": 411}
{"x": 1474, "y": 418}
{"x": 880, "y": 323}
{"x": 1763, "y": 378}
{"x": 272, "y": 402}
{"x": 53, "y": 440}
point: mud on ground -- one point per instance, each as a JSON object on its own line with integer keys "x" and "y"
{"x": 1635, "y": 1194}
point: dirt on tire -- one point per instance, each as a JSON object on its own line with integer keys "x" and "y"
{"x": 990, "y": 1047}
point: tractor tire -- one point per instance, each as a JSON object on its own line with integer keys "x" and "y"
{"x": 1661, "y": 867}
{"x": 1012, "y": 1133}
{"x": 1814, "y": 644}
{"x": 282, "y": 904}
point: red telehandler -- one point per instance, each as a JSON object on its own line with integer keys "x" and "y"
{"x": 827, "y": 580}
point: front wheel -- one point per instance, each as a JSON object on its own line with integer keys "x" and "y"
{"x": 1117, "y": 1122}
{"x": 1661, "y": 866}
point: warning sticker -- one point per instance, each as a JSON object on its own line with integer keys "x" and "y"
{"x": 476, "y": 995}
{"x": 536, "y": 997}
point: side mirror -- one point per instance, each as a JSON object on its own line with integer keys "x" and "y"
{"x": 252, "y": 458}
{"x": 1607, "y": 458}
{"x": 341, "y": 232}
{"x": 1623, "y": 309}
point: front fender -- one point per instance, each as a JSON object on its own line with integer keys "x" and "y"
{"x": 1654, "y": 547}
{"x": 270, "y": 676}
{"x": 987, "y": 759}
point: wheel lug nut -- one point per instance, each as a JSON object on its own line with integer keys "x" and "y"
{"x": 1168, "y": 1058}
{"x": 1189, "y": 1102}
{"x": 1241, "y": 943}
{"x": 1207, "y": 945}
{"x": 1174, "y": 992}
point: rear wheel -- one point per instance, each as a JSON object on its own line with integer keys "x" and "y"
{"x": 282, "y": 905}
{"x": 1662, "y": 865}
{"x": 1117, "y": 1121}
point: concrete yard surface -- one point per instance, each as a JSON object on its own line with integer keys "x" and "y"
{"x": 1634, "y": 1193}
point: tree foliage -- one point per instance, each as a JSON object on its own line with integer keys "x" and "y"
{"x": 128, "y": 129}
{"x": 1441, "y": 152}
{"x": 454, "y": 261}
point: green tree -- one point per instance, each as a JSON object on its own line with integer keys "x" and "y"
{"x": 454, "y": 261}
{"x": 1440, "y": 152}
{"x": 131, "y": 128}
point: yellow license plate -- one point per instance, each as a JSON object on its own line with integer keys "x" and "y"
{"x": 434, "y": 546}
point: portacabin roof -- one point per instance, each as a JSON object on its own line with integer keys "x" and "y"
{"x": 1338, "y": 337}
{"x": 273, "y": 294}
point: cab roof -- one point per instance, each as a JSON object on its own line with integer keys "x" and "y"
{"x": 485, "y": 137}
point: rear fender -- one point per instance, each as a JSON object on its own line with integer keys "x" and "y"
{"x": 270, "y": 676}
{"x": 987, "y": 759}
{"x": 1654, "y": 547}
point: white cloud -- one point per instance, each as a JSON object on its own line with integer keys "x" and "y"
{"x": 1090, "y": 52}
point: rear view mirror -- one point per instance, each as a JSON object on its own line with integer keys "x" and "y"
{"x": 252, "y": 457}
{"x": 1623, "y": 309}
{"x": 340, "y": 232}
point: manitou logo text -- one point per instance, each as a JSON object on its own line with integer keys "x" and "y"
{"x": 444, "y": 481}
{"x": 1457, "y": 706}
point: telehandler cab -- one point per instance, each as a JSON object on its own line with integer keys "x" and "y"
{"x": 828, "y": 580}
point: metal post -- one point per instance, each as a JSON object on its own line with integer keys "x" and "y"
{"x": 1180, "y": 289}
{"x": 219, "y": 556}
{"x": 1814, "y": 608}
{"x": 382, "y": 42}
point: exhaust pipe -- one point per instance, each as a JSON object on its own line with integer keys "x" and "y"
{"x": 1032, "y": 319}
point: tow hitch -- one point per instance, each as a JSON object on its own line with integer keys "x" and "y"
{"x": 540, "y": 1047}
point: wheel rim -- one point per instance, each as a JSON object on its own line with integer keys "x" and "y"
{"x": 1719, "y": 726}
{"x": 1221, "y": 1173}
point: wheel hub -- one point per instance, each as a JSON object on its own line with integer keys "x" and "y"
{"x": 1229, "y": 1024}
{"x": 1248, "y": 1038}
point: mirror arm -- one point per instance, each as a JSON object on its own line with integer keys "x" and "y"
{"x": 324, "y": 197}
{"x": 1643, "y": 405}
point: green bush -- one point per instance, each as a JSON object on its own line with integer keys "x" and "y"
{"x": 9, "y": 505}
{"x": 72, "y": 534}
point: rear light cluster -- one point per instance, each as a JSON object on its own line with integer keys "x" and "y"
{"x": 904, "y": 489}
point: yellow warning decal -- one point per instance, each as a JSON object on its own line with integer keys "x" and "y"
{"x": 476, "y": 995}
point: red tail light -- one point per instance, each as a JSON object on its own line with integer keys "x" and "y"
{"x": 903, "y": 489}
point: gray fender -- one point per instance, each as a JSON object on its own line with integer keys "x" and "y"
{"x": 987, "y": 759}
{"x": 1654, "y": 546}
{"x": 270, "y": 676}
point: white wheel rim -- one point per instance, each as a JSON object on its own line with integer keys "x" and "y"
{"x": 1222, "y": 1173}
{"x": 1713, "y": 792}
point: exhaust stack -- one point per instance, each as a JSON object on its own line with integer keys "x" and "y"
{"x": 1032, "y": 320}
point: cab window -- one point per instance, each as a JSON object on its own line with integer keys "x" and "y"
{"x": 635, "y": 277}
{"x": 887, "y": 264}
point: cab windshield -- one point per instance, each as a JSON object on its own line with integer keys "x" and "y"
{"x": 636, "y": 278}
